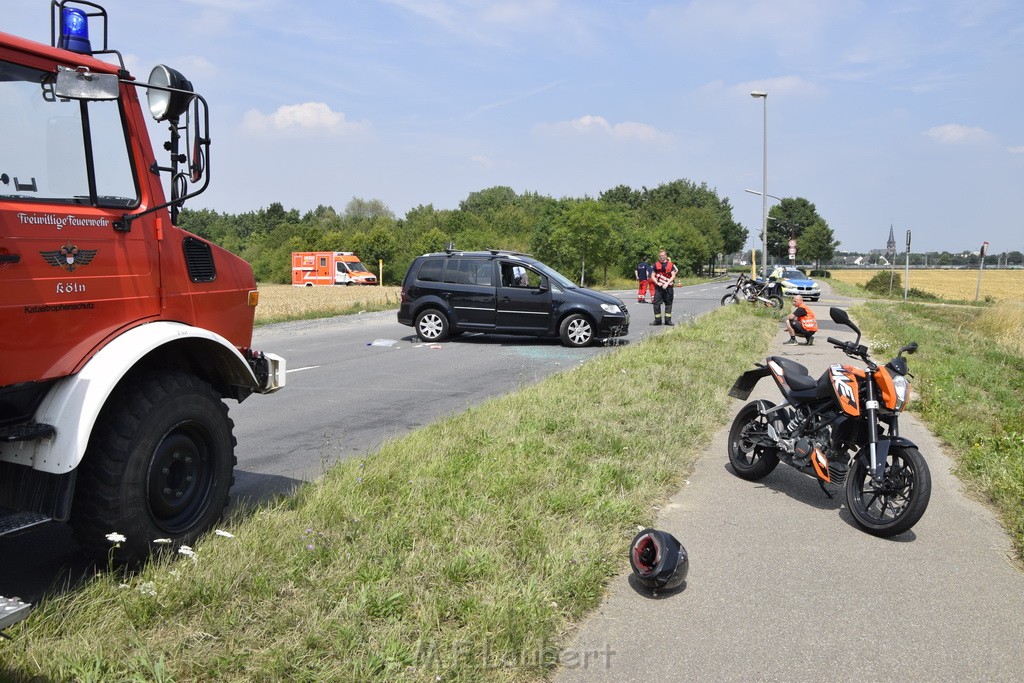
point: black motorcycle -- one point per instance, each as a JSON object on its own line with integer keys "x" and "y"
{"x": 746, "y": 288}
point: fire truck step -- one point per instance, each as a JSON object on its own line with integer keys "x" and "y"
{"x": 12, "y": 610}
{"x": 11, "y": 522}
{"x": 26, "y": 431}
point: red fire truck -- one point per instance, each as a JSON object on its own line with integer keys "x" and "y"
{"x": 121, "y": 335}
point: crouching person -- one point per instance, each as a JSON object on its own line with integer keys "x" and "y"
{"x": 801, "y": 322}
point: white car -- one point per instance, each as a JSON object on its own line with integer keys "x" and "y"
{"x": 795, "y": 282}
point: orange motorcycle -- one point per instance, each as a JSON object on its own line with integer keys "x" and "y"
{"x": 842, "y": 428}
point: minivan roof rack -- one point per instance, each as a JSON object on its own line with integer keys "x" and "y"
{"x": 495, "y": 252}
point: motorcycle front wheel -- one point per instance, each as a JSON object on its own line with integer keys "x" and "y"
{"x": 750, "y": 451}
{"x": 899, "y": 502}
{"x": 729, "y": 299}
{"x": 774, "y": 302}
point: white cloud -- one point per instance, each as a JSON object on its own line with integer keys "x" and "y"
{"x": 1016, "y": 150}
{"x": 598, "y": 126}
{"x": 955, "y": 134}
{"x": 482, "y": 161}
{"x": 195, "y": 68}
{"x": 305, "y": 118}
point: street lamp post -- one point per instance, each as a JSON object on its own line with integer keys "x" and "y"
{"x": 764, "y": 185}
{"x": 764, "y": 251}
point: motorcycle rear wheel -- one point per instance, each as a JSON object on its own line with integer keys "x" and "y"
{"x": 751, "y": 459}
{"x": 899, "y": 502}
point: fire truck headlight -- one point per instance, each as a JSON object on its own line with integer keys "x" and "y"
{"x": 169, "y": 97}
{"x": 74, "y": 31}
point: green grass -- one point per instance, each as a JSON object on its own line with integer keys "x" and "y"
{"x": 851, "y": 290}
{"x": 968, "y": 386}
{"x": 328, "y": 312}
{"x": 462, "y": 552}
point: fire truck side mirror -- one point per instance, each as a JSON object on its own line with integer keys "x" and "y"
{"x": 82, "y": 84}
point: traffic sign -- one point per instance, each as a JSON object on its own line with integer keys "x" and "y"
{"x": 792, "y": 244}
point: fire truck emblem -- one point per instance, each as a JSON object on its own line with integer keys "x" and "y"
{"x": 69, "y": 257}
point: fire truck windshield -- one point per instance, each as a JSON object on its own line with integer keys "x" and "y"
{"x": 44, "y": 155}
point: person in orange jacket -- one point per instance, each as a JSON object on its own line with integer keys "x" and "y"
{"x": 801, "y": 322}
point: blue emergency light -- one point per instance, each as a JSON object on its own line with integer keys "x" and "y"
{"x": 74, "y": 31}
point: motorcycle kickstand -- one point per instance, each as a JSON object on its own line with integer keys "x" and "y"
{"x": 825, "y": 490}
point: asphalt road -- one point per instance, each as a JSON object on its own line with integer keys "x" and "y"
{"x": 784, "y": 587}
{"x": 353, "y": 383}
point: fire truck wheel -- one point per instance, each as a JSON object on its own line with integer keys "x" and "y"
{"x": 432, "y": 325}
{"x": 159, "y": 465}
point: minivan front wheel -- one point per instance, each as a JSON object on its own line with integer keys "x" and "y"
{"x": 432, "y": 325}
{"x": 576, "y": 330}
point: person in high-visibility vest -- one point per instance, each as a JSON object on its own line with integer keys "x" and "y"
{"x": 801, "y": 322}
{"x": 664, "y": 280}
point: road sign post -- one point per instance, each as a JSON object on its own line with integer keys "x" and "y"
{"x": 906, "y": 276}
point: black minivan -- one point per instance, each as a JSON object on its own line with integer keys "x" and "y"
{"x": 448, "y": 293}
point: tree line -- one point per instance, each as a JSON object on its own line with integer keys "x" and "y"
{"x": 587, "y": 239}
{"x": 584, "y": 238}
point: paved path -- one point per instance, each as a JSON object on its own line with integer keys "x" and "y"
{"x": 783, "y": 587}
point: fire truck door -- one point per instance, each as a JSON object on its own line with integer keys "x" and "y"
{"x": 68, "y": 279}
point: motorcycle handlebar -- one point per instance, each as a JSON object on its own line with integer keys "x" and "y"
{"x": 849, "y": 348}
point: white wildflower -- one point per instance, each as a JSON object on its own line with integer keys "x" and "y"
{"x": 162, "y": 540}
{"x": 115, "y": 537}
{"x": 147, "y": 588}
{"x": 187, "y": 551}
{"x": 225, "y": 534}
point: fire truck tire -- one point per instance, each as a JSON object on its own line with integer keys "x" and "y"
{"x": 159, "y": 465}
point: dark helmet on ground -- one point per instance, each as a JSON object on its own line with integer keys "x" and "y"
{"x": 658, "y": 559}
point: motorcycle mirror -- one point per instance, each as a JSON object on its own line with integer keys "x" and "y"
{"x": 908, "y": 349}
{"x": 840, "y": 316}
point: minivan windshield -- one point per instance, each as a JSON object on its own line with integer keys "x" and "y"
{"x": 554, "y": 275}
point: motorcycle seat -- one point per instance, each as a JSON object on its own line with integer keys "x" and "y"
{"x": 797, "y": 376}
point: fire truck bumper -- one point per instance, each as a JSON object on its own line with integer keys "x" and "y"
{"x": 270, "y": 370}
{"x": 12, "y": 610}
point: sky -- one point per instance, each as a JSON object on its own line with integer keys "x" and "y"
{"x": 902, "y": 113}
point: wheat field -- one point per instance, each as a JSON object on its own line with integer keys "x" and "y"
{"x": 285, "y": 302}
{"x": 996, "y": 285}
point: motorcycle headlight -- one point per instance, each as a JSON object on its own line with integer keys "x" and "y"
{"x": 902, "y": 387}
{"x": 611, "y": 308}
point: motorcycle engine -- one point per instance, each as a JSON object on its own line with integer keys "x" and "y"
{"x": 802, "y": 452}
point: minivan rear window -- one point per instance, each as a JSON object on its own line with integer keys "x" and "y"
{"x": 431, "y": 270}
